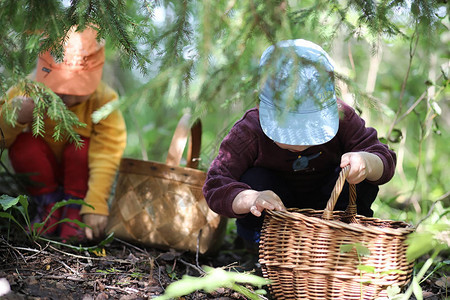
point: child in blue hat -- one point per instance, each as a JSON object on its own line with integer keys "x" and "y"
{"x": 288, "y": 151}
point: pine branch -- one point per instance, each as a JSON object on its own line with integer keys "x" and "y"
{"x": 259, "y": 20}
{"x": 176, "y": 36}
{"x": 47, "y": 104}
{"x": 226, "y": 39}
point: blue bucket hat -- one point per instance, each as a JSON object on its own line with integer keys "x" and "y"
{"x": 297, "y": 96}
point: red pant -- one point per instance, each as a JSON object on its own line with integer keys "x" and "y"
{"x": 32, "y": 155}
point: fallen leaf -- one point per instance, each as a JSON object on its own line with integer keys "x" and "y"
{"x": 426, "y": 294}
{"x": 98, "y": 252}
{"x": 443, "y": 282}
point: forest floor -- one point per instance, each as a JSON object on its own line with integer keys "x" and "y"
{"x": 123, "y": 271}
{"x": 120, "y": 270}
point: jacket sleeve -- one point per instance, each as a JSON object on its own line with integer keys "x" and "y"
{"x": 355, "y": 136}
{"x": 106, "y": 146}
{"x": 10, "y": 131}
{"x": 237, "y": 153}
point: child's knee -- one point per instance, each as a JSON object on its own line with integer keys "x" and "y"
{"x": 259, "y": 178}
{"x": 78, "y": 154}
{"x": 249, "y": 230}
{"x": 26, "y": 145}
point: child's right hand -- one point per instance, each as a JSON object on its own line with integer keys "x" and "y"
{"x": 255, "y": 202}
{"x": 25, "y": 114}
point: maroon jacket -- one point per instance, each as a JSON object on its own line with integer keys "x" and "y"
{"x": 247, "y": 146}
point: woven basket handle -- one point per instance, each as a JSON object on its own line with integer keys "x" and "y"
{"x": 179, "y": 140}
{"x": 350, "y": 212}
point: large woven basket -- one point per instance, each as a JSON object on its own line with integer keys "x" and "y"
{"x": 302, "y": 252}
{"x": 161, "y": 204}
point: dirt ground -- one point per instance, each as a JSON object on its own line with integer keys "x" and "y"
{"x": 121, "y": 270}
{"x": 124, "y": 271}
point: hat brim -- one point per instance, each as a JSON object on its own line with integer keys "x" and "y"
{"x": 68, "y": 82}
{"x": 295, "y": 128}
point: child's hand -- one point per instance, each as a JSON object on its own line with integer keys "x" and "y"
{"x": 255, "y": 202}
{"x": 363, "y": 165}
{"x": 97, "y": 223}
{"x": 25, "y": 114}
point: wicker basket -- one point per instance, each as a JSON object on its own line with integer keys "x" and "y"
{"x": 301, "y": 253}
{"x": 161, "y": 204}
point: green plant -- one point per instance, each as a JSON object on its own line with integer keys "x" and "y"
{"x": 171, "y": 273}
{"x": 137, "y": 275}
{"x": 214, "y": 279}
{"x": 98, "y": 249}
{"x": 362, "y": 251}
{"x": 109, "y": 271}
{"x": 431, "y": 238}
{"x": 34, "y": 231}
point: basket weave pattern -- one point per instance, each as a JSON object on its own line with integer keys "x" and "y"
{"x": 161, "y": 204}
{"x": 175, "y": 214}
{"x": 300, "y": 252}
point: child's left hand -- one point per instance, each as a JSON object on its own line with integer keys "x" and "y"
{"x": 98, "y": 225}
{"x": 363, "y": 165}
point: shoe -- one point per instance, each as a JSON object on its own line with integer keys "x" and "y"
{"x": 68, "y": 230}
{"x": 249, "y": 259}
{"x": 44, "y": 204}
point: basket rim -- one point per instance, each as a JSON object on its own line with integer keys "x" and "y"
{"x": 296, "y": 214}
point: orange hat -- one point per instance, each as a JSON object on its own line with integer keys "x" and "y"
{"x": 80, "y": 71}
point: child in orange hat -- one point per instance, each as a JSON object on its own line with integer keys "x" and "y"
{"x": 59, "y": 169}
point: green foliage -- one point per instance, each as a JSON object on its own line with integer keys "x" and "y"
{"x": 40, "y": 25}
{"x": 109, "y": 271}
{"x": 391, "y": 64}
{"x": 98, "y": 249}
{"x": 432, "y": 237}
{"x": 414, "y": 287}
{"x": 361, "y": 250}
{"x": 214, "y": 279}
{"x": 8, "y": 203}
{"x": 32, "y": 27}
{"x": 47, "y": 104}
{"x": 34, "y": 231}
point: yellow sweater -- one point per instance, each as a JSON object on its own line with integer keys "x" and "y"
{"x": 106, "y": 146}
